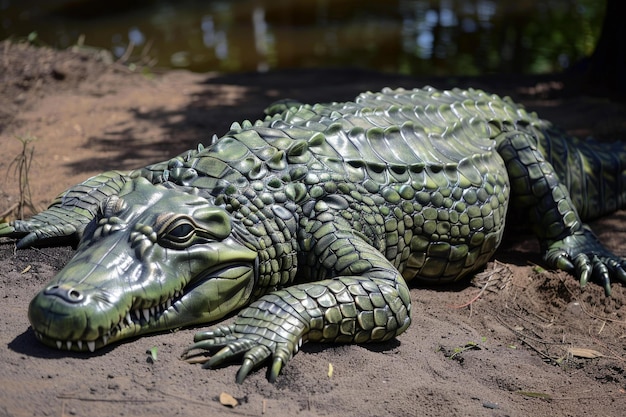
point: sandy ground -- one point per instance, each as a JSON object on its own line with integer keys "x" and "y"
{"x": 521, "y": 348}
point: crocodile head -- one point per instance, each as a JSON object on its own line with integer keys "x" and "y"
{"x": 155, "y": 258}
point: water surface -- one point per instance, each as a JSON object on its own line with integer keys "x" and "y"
{"x": 427, "y": 37}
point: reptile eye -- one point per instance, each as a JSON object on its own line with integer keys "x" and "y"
{"x": 178, "y": 234}
{"x": 182, "y": 231}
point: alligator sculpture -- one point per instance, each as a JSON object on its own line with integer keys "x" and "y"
{"x": 311, "y": 221}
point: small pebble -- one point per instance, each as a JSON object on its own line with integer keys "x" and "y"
{"x": 488, "y": 404}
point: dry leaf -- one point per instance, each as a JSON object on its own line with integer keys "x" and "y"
{"x": 584, "y": 353}
{"x": 228, "y": 400}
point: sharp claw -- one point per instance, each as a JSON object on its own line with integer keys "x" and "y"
{"x": 562, "y": 262}
{"x": 6, "y": 230}
{"x": 217, "y": 332}
{"x": 601, "y": 272}
{"x": 253, "y": 358}
{"x": 621, "y": 274}
{"x": 252, "y": 347}
{"x": 201, "y": 336}
{"x": 185, "y": 353}
{"x": 203, "y": 344}
{"x": 27, "y": 241}
{"x": 277, "y": 366}
{"x": 219, "y": 357}
{"x": 583, "y": 269}
{"x": 245, "y": 369}
{"x": 590, "y": 259}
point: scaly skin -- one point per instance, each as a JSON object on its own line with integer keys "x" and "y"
{"x": 314, "y": 219}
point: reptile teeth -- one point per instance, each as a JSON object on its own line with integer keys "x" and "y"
{"x": 132, "y": 318}
{"x": 135, "y": 316}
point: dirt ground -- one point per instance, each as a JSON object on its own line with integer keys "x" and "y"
{"x": 524, "y": 347}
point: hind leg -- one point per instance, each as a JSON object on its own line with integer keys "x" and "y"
{"x": 566, "y": 242}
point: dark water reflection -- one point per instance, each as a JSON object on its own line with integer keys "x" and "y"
{"x": 434, "y": 37}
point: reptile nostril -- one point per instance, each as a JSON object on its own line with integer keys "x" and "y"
{"x": 66, "y": 293}
{"x": 75, "y": 295}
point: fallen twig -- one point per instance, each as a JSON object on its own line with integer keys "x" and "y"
{"x": 497, "y": 267}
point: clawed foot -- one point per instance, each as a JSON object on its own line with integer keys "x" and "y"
{"x": 30, "y": 232}
{"x": 254, "y": 348}
{"x": 582, "y": 255}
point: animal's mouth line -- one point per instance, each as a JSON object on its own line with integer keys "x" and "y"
{"x": 137, "y": 317}
{"x": 131, "y": 322}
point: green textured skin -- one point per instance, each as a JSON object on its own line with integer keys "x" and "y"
{"x": 314, "y": 219}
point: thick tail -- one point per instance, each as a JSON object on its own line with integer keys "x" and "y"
{"x": 594, "y": 172}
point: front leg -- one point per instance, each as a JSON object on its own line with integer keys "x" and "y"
{"x": 367, "y": 301}
{"x": 69, "y": 214}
